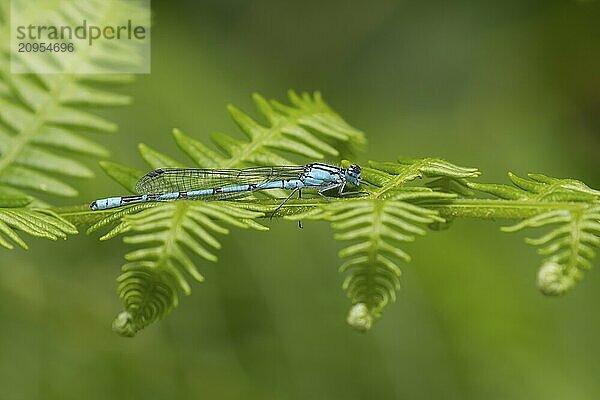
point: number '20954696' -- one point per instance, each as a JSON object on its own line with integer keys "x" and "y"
{"x": 42, "y": 47}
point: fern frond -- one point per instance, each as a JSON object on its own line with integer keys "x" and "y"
{"x": 375, "y": 228}
{"x": 148, "y": 294}
{"x": 41, "y": 223}
{"x": 303, "y": 129}
{"x": 43, "y": 116}
{"x": 167, "y": 233}
{"x": 117, "y": 216}
{"x": 568, "y": 247}
{"x": 539, "y": 188}
{"x": 308, "y": 128}
{"x": 40, "y": 130}
{"x": 393, "y": 213}
{"x": 391, "y": 178}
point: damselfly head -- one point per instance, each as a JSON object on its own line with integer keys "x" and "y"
{"x": 352, "y": 174}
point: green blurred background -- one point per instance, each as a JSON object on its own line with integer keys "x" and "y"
{"x": 505, "y": 85}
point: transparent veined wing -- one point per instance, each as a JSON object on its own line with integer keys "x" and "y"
{"x": 167, "y": 180}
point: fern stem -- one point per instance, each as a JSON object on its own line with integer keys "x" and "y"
{"x": 374, "y": 239}
{"x": 575, "y": 241}
{"x": 494, "y": 209}
{"x": 458, "y": 208}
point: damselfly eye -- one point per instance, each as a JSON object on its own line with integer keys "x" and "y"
{"x": 355, "y": 168}
{"x": 353, "y": 173}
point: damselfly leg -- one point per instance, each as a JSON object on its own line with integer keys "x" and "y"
{"x": 326, "y": 188}
{"x": 283, "y": 202}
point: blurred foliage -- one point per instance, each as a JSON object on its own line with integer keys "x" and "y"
{"x": 499, "y": 85}
{"x": 42, "y": 118}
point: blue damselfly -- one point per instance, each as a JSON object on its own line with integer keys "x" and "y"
{"x": 165, "y": 184}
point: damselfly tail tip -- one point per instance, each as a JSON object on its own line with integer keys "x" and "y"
{"x": 93, "y": 206}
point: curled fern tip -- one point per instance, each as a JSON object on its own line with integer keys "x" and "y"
{"x": 553, "y": 281}
{"x": 123, "y": 324}
{"x": 360, "y": 318}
